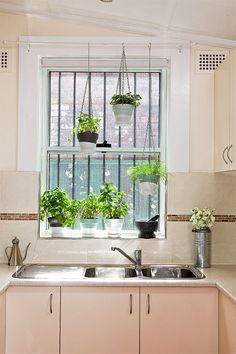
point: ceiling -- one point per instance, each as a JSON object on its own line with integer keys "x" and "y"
{"x": 139, "y": 17}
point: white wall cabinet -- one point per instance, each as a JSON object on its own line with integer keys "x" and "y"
{"x": 176, "y": 320}
{"x": 227, "y": 325}
{"x": 225, "y": 115}
{"x": 33, "y": 317}
{"x": 101, "y": 320}
{"x": 105, "y": 320}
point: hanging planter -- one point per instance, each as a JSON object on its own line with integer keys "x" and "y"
{"x": 148, "y": 174}
{"x": 123, "y": 104}
{"x": 87, "y": 129}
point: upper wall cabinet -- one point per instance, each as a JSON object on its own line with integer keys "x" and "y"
{"x": 225, "y": 115}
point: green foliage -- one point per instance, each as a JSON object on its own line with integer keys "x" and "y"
{"x": 112, "y": 204}
{"x": 86, "y": 123}
{"x": 56, "y": 203}
{"x": 155, "y": 168}
{"x": 128, "y": 98}
{"x": 89, "y": 208}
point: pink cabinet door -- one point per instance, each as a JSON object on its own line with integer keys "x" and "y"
{"x": 178, "y": 320}
{"x": 32, "y": 320}
{"x": 2, "y": 323}
{"x": 227, "y": 326}
{"x": 99, "y": 320}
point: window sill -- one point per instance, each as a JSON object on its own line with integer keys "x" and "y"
{"x": 100, "y": 234}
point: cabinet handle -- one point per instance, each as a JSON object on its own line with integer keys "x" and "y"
{"x": 230, "y": 147}
{"x": 223, "y": 155}
{"x": 51, "y": 298}
{"x": 130, "y": 304}
{"x": 148, "y": 304}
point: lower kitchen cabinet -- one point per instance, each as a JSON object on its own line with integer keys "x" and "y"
{"x": 2, "y": 322}
{"x": 33, "y": 317}
{"x": 99, "y": 320}
{"x": 227, "y": 325}
{"x": 179, "y": 320}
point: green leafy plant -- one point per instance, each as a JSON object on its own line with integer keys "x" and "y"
{"x": 56, "y": 203}
{"x": 155, "y": 168}
{"x": 112, "y": 204}
{"x": 127, "y": 98}
{"x": 90, "y": 207}
{"x": 86, "y": 123}
{"x": 202, "y": 218}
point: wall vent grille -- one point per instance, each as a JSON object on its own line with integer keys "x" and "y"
{"x": 4, "y": 60}
{"x": 208, "y": 60}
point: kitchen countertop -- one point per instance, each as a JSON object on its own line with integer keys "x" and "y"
{"x": 223, "y": 277}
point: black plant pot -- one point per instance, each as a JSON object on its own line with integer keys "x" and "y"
{"x": 147, "y": 228}
{"x": 53, "y": 222}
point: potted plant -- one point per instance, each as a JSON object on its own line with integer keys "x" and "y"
{"x": 148, "y": 174}
{"x": 88, "y": 210}
{"x": 60, "y": 211}
{"x": 87, "y": 129}
{"x": 113, "y": 208}
{"x": 123, "y": 106}
{"x": 202, "y": 221}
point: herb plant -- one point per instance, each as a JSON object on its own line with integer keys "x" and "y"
{"x": 56, "y": 203}
{"x": 155, "y": 168}
{"x": 112, "y": 204}
{"x": 202, "y": 218}
{"x": 86, "y": 123}
{"x": 127, "y": 98}
{"x": 89, "y": 208}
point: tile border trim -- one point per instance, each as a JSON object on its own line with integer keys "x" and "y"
{"x": 18, "y": 216}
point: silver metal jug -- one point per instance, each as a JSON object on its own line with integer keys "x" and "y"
{"x": 14, "y": 257}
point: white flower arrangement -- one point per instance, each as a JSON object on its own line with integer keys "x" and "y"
{"x": 202, "y": 218}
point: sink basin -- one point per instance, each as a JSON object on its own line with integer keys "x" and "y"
{"x": 172, "y": 272}
{"x": 49, "y": 272}
{"x": 110, "y": 272}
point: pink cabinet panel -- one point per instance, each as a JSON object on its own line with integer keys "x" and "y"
{"x": 179, "y": 320}
{"x": 2, "y": 322}
{"x": 33, "y": 317}
{"x": 227, "y": 326}
{"x": 99, "y": 320}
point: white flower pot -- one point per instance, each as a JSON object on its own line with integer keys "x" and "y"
{"x": 87, "y": 147}
{"x": 88, "y": 227}
{"x": 57, "y": 231}
{"x": 113, "y": 226}
{"x": 123, "y": 113}
{"x": 87, "y": 142}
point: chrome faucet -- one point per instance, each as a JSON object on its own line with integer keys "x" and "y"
{"x": 137, "y": 260}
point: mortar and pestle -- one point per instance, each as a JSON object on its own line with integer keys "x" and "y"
{"x": 147, "y": 228}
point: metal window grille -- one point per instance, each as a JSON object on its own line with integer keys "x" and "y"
{"x": 80, "y": 174}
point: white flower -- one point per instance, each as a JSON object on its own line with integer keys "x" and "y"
{"x": 202, "y": 217}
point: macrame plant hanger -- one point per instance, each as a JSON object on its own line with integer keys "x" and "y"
{"x": 88, "y": 88}
{"x": 123, "y": 73}
{"x": 149, "y": 138}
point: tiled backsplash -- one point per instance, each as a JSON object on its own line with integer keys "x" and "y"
{"x": 19, "y": 208}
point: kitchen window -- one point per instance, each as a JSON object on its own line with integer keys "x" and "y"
{"x": 79, "y": 174}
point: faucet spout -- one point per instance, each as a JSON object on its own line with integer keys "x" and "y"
{"x": 137, "y": 260}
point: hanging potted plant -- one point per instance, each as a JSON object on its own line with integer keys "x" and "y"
{"x": 60, "y": 211}
{"x": 113, "y": 208}
{"x": 89, "y": 210}
{"x": 148, "y": 174}
{"x": 123, "y": 104}
{"x": 87, "y": 129}
{"x": 202, "y": 221}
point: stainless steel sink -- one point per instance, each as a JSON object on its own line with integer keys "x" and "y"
{"x": 110, "y": 272}
{"x": 50, "y": 272}
{"x": 172, "y": 272}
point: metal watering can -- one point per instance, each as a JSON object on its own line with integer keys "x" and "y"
{"x": 14, "y": 257}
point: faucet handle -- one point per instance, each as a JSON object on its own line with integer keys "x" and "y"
{"x": 138, "y": 256}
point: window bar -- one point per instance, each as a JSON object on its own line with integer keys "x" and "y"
{"x": 89, "y": 164}
{"x": 119, "y": 172}
{"x": 49, "y": 106}
{"x": 134, "y": 192}
{"x": 150, "y": 128}
{"x": 73, "y": 156}
{"x": 89, "y": 94}
{"x": 59, "y": 128}
{"x": 104, "y": 169}
{"x": 135, "y": 88}
{"x": 159, "y": 112}
{"x": 104, "y": 107}
{"x": 48, "y": 184}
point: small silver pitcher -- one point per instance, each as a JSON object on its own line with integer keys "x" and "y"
{"x": 15, "y": 258}
{"x": 202, "y": 247}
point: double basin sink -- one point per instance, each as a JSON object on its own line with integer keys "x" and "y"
{"x": 77, "y": 272}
